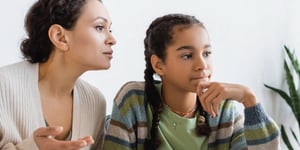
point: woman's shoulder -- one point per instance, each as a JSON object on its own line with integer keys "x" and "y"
{"x": 86, "y": 89}
{"x": 23, "y": 71}
{"x": 17, "y": 67}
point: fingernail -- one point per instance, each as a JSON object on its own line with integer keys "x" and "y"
{"x": 60, "y": 128}
{"x": 213, "y": 114}
{"x": 50, "y": 137}
{"x": 83, "y": 143}
{"x": 204, "y": 90}
{"x": 92, "y": 141}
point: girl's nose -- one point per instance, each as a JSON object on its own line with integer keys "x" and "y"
{"x": 200, "y": 63}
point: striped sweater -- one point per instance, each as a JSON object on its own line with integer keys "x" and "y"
{"x": 232, "y": 129}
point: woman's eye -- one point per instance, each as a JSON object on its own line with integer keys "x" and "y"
{"x": 99, "y": 28}
{"x": 187, "y": 56}
{"x": 206, "y": 54}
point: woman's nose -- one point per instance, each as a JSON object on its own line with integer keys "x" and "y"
{"x": 111, "y": 39}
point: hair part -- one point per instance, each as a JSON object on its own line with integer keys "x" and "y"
{"x": 158, "y": 36}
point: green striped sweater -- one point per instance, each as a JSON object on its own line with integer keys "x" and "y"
{"x": 232, "y": 129}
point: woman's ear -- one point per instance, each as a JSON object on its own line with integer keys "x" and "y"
{"x": 58, "y": 37}
{"x": 157, "y": 65}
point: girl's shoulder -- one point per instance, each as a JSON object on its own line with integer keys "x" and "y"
{"x": 133, "y": 85}
{"x": 131, "y": 93}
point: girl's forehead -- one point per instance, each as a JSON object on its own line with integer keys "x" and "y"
{"x": 191, "y": 31}
{"x": 193, "y": 36}
{"x": 183, "y": 27}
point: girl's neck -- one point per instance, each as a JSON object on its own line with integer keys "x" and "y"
{"x": 188, "y": 114}
{"x": 183, "y": 104}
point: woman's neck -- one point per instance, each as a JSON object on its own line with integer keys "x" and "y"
{"x": 56, "y": 78}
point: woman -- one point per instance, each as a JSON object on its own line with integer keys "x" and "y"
{"x": 185, "y": 110}
{"x": 43, "y": 103}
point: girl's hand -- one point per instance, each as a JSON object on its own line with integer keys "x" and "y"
{"x": 211, "y": 94}
{"x": 44, "y": 139}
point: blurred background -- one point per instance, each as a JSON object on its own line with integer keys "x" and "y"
{"x": 247, "y": 37}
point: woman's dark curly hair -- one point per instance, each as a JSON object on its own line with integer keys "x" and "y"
{"x": 37, "y": 47}
{"x": 158, "y": 36}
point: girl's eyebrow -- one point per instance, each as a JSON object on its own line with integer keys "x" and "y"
{"x": 192, "y": 47}
{"x": 185, "y": 47}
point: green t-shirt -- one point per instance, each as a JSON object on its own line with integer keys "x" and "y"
{"x": 178, "y": 133}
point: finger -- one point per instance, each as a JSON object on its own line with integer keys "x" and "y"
{"x": 212, "y": 112}
{"x": 211, "y": 101}
{"x": 52, "y": 143}
{"x": 204, "y": 104}
{"x": 71, "y": 145}
{"x": 201, "y": 90}
{"x": 88, "y": 139}
{"x": 217, "y": 101}
{"x": 48, "y": 131}
{"x": 211, "y": 90}
{"x": 202, "y": 87}
{"x": 214, "y": 108}
{"x": 207, "y": 99}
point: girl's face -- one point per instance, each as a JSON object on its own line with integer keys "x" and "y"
{"x": 91, "y": 39}
{"x": 188, "y": 58}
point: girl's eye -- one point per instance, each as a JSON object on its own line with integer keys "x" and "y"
{"x": 187, "y": 56}
{"x": 99, "y": 28}
{"x": 206, "y": 54}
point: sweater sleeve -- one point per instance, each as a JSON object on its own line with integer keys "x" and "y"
{"x": 261, "y": 131}
{"x": 14, "y": 133}
{"x": 119, "y": 135}
{"x": 127, "y": 128}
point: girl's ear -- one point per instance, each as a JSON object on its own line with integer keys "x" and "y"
{"x": 157, "y": 65}
{"x": 58, "y": 37}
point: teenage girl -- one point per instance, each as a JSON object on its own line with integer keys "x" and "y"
{"x": 185, "y": 109}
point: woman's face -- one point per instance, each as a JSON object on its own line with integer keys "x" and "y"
{"x": 90, "y": 40}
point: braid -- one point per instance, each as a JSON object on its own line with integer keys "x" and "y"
{"x": 202, "y": 127}
{"x": 153, "y": 97}
{"x": 157, "y": 107}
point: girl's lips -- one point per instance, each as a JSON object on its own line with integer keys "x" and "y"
{"x": 202, "y": 79}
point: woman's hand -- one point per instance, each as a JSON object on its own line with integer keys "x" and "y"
{"x": 45, "y": 140}
{"x": 211, "y": 94}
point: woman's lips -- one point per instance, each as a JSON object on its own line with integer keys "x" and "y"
{"x": 109, "y": 54}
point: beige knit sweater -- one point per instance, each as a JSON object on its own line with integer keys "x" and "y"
{"x": 21, "y": 112}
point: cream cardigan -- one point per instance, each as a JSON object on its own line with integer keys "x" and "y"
{"x": 21, "y": 112}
